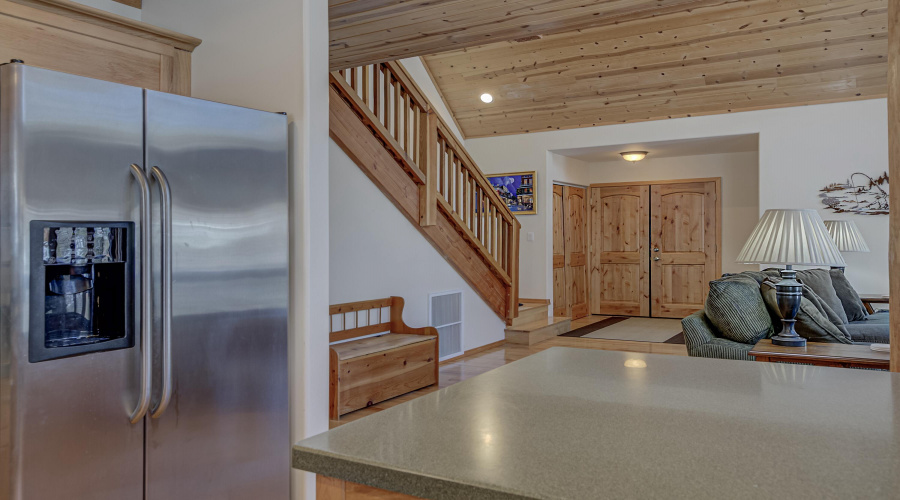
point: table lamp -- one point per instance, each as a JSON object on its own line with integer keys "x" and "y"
{"x": 846, "y": 236}
{"x": 790, "y": 238}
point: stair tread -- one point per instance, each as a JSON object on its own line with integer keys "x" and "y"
{"x": 530, "y": 310}
{"x": 537, "y": 325}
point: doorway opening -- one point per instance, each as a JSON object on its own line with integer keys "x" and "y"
{"x": 658, "y": 230}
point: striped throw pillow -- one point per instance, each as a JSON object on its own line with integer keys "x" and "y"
{"x": 736, "y": 308}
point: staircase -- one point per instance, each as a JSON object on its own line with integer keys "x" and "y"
{"x": 383, "y": 121}
{"x": 533, "y": 324}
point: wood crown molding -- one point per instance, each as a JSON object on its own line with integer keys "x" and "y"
{"x": 115, "y": 22}
{"x": 131, "y": 3}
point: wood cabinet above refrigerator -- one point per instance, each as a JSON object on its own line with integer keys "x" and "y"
{"x": 73, "y": 38}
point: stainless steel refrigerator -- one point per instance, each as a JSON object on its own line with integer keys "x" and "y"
{"x": 143, "y": 293}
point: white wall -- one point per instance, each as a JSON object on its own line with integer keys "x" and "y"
{"x": 376, "y": 252}
{"x": 273, "y": 55}
{"x": 113, "y": 7}
{"x": 416, "y": 69}
{"x": 801, "y": 149}
{"x": 740, "y": 190}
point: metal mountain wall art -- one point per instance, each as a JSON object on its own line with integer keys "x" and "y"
{"x": 860, "y": 194}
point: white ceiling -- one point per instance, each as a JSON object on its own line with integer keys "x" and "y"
{"x": 664, "y": 149}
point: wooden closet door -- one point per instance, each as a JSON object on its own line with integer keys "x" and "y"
{"x": 620, "y": 266}
{"x": 684, "y": 228}
{"x": 575, "y": 199}
{"x": 560, "y": 301}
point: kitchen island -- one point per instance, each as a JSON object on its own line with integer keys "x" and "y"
{"x": 577, "y": 423}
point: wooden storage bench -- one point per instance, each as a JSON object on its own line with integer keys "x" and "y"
{"x": 365, "y": 371}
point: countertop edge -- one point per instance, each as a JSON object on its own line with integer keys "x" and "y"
{"x": 386, "y": 478}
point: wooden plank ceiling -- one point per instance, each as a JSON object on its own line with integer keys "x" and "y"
{"x": 717, "y": 58}
{"x": 368, "y": 31}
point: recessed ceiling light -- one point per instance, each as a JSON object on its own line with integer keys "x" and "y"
{"x": 486, "y": 98}
{"x": 634, "y": 156}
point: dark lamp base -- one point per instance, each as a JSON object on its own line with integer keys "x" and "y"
{"x": 789, "y": 341}
{"x": 789, "y": 293}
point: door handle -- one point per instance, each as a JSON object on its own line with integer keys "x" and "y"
{"x": 655, "y": 249}
{"x": 655, "y": 259}
{"x": 145, "y": 321}
{"x": 165, "y": 210}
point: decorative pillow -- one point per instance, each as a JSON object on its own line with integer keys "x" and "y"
{"x": 850, "y": 300}
{"x": 735, "y": 307}
{"x": 825, "y": 309}
{"x": 772, "y": 272}
{"x": 812, "y": 320}
{"x": 820, "y": 282}
{"x": 759, "y": 276}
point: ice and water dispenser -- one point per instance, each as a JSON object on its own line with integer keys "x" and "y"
{"x": 82, "y": 285}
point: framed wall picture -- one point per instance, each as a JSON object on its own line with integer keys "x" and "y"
{"x": 518, "y": 190}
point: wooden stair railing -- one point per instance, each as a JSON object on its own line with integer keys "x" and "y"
{"x": 449, "y": 183}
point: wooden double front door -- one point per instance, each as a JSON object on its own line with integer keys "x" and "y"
{"x": 570, "y": 251}
{"x": 655, "y": 247}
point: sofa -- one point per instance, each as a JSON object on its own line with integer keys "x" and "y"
{"x": 741, "y": 309}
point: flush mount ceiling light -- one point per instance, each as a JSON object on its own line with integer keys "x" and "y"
{"x": 634, "y": 156}
{"x": 486, "y": 98}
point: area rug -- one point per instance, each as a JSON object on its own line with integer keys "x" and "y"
{"x": 677, "y": 339}
{"x": 593, "y": 327}
{"x": 633, "y": 329}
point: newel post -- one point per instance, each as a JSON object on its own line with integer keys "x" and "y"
{"x": 427, "y": 160}
{"x": 512, "y": 310}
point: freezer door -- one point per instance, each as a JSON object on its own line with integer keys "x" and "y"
{"x": 225, "y": 433}
{"x": 66, "y": 145}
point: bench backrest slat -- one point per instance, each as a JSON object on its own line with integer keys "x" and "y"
{"x": 364, "y": 308}
{"x": 359, "y": 332}
{"x": 360, "y": 306}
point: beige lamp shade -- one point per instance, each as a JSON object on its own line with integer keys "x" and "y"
{"x": 846, "y": 236}
{"x": 791, "y": 237}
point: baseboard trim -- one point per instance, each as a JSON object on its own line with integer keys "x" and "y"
{"x": 474, "y": 351}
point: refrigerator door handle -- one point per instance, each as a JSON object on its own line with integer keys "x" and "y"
{"x": 166, "y": 263}
{"x": 146, "y": 317}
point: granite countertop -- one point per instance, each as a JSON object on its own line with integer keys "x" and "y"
{"x": 579, "y": 423}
